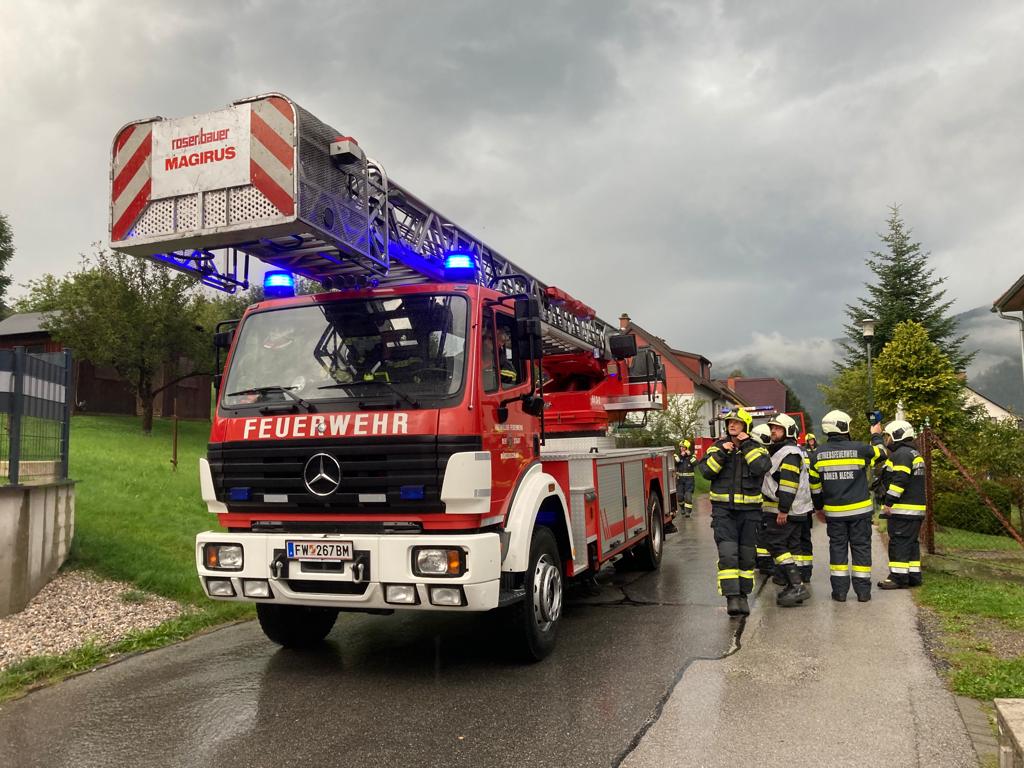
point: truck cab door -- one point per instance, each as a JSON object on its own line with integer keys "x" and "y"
{"x": 505, "y": 375}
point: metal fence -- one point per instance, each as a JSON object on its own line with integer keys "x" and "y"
{"x": 35, "y": 415}
{"x": 971, "y": 519}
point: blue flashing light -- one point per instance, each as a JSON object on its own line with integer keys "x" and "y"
{"x": 460, "y": 266}
{"x": 411, "y": 492}
{"x": 278, "y": 284}
{"x": 238, "y": 494}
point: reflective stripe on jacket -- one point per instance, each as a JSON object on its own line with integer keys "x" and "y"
{"x": 904, "y": 481}
{"x": 735, "y": 475}
{"x": 787, "y": 485}
{"x": 839, "y": 475}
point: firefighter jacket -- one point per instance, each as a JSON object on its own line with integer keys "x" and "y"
{"x": 735, "y": 475}
{"x": 839, "y": 476}
{"x": 903, "y": 481}
{"x": 685, "y": 462}
{"x": 787, "y": 486}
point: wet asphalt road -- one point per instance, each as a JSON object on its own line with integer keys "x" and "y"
{"x": 405, "y": 690}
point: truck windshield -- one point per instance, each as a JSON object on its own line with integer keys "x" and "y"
{"x": 406, "y": 351}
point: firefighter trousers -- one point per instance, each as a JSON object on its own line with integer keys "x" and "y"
{"x": 684, "y": 495}
{"x": 763, "y": 556}
{"x": 905, "y": 550}
{"x": 781, "y": 540}
{"x": 735, "y": 536}
{"x": 804, "y": 553}
{"x": 849, "y": 538}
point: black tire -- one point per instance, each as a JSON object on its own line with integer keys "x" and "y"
{"x": 532, "y": 623}
{"x": 295, "y": 626}
{"x": 647, "y": 554}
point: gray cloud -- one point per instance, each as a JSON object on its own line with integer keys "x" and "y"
{"x": 718, "y": 169}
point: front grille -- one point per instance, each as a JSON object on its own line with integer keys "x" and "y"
{"x": 377, "y": 466}
{"x": 326, "y": 587}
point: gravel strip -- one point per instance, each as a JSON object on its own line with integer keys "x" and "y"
{"x": 77, "y": 607}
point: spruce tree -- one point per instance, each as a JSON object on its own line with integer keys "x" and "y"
{"x": 904, "y": 288}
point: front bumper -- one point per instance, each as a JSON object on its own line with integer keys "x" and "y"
{"x": 385, "y": 560}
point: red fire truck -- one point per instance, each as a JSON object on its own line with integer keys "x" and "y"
{"x": 429, "y": 432}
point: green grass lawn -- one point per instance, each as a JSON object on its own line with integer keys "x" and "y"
{"x": 963, "y": 602}
{"x": 135, "y": 520}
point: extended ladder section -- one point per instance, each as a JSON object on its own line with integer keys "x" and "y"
{"x": 267, "y": 179}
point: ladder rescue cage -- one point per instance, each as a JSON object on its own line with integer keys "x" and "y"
{"x": 265, "y": 178}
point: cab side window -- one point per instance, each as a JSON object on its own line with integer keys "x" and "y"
{"x": 488, "y": 355}
{"x": 510, "y": 367}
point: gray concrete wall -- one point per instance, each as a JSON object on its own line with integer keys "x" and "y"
{"x": 36, "y": 526}
{"x": 1010, "y": 719}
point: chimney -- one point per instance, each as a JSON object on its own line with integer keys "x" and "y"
{"x": 623, "y": 322}
{"x": 732, "y": 383}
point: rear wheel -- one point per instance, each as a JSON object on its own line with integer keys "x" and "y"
{"x": 647, "y": 554}
{"x": 295, "y": 626}
{"x": 533, "y": 622}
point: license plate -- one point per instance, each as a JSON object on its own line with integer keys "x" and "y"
{"x": 319, "y": 550}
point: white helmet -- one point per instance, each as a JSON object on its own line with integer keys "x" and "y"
{"x": 836, "y": 423}
{"x": 900, "y": 430}
{"x": 788, "y": 424}
{"x": 762, "y": 433}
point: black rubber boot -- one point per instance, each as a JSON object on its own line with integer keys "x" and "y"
{"x": 779, "y": 579}
{"x": 890, "y": 584}
{"x": 744, "y": 607}
{"x": 839, "y": 598}
{"x": 796, "y": 592}
{"x": 732, "y": 606}
{"x": 863, "y": 597}
{"x": 670, "y": 527}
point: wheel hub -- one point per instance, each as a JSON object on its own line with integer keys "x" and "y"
{"x": 547, "y": 593}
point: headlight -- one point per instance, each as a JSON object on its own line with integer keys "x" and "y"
{"x": 223, "y": 557}
{"x": 220, "y": 588}
{"x": 446, "y": 596}
{"x": 439, "y": 561}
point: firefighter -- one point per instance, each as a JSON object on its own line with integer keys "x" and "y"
{"x": 903, "y": 482}
{"x": 804, "y": 553}
{"x": 685, "y": 462}
{"x": 787, "y": 502}
{"x": 839, "y": 488}
{"x": 762, "y": 433}
{"x": 736, "y": 466}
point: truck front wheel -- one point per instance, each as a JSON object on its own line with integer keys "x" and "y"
{"x": 533, "y": 622}
{"x": 295, "y": 626}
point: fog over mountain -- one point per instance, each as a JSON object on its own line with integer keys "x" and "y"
{"x": 805, "y": 363}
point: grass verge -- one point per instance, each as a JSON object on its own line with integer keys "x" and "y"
{"x": 135, "y": 521}
{"x": 982, "y": 621}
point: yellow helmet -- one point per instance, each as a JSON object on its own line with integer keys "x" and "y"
{"x": 685, "y": 444}
{"x": 740, "y": 414}
{"x": 810, "y": 436}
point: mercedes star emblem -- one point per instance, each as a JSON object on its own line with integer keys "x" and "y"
{"x": 322, "y": 474}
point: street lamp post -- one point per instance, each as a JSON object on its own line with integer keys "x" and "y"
{"x": 867, "y": 326}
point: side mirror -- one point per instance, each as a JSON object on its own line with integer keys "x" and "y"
{"x": 223, "y": 339}
{"x": 528, "y": 330}
{"x": 533, "y": 405}
{"x": 622, "y": 345}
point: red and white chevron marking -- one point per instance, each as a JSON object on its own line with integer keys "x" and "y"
{"x": 132, "y": 178}
{"x": 272, "y": 153}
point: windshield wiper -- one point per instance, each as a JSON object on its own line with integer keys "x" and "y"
{"x": 310, "y": 408}
{"x": 387, "y": 384}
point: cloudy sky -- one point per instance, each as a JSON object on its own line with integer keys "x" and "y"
{"x": 719, "y": 170}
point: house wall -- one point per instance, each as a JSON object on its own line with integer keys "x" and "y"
{"x": 761, "y": 392}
